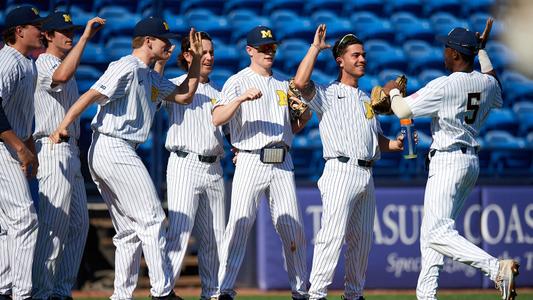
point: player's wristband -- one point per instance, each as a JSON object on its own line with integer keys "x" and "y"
{"x": 484, "y": 61}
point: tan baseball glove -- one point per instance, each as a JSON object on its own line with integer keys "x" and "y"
{"x": 296, "y": 106}
{"x": 380, "y": 101}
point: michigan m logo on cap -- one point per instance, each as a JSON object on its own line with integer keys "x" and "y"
{"x": 266, "y": 34}
{"x": 67, "y": 18}
{"x": 35, "y": 10}
{"x": 166, "y": 25}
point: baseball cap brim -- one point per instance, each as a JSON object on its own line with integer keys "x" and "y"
{"x": 444, "y": 39}
{"x": 168, "y": 35}
{"x": 66, "y": 27}
{"x": 265, "y": 42}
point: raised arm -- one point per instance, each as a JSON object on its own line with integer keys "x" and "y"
{"x": 484, "y": 61}
{"x": 302, "y": 79}
{"x": 61, "y": 134}
{"x": 223, "y": 113}
{"x": 184, "y": 93}
{"x": 68, "y": 67}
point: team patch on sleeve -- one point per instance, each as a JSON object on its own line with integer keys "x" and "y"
{"x": 155, "y": 93}
{"x": 282, "y": 98}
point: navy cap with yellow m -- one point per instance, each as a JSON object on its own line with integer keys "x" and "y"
{"x": 260, "y": 35}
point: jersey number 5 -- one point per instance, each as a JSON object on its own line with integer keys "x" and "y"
{"x": 472, "y": 107}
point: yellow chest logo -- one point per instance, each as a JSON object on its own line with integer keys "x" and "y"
{"x": 282, "y": 98}
{"x": 369, "y": 112}
{"x": 213, "y": 101}
{"x": 155, "y": 93}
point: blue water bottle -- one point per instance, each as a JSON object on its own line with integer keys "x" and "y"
{"x": 408, "y": 131}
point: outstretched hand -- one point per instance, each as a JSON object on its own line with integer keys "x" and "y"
{"x": 196, "y": 42}
{"x": 93, "y": 26}
{"x": 484, "y": 37}
{"x": 320, "y": 38}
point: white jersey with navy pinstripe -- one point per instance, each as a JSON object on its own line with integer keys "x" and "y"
{"x": 18, "y": 79}
{"x": 134, "y": 93}
{"x": 248, "y": 128}
{"x": 191, "y": 128}
{"x": 51, "y": 103}
{"x": 343, "y": 130}
{"x": 459, "y": 105}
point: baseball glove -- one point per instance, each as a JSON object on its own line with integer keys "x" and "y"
{"x": 296, "y": 106}
{"x": 380, "y": 101}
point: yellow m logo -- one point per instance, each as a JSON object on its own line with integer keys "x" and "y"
{"x": 166, "y": 25}
{"x": 67, "y": 18}
{"x": 266, "y": 34}
{"x": 35, "y": 10}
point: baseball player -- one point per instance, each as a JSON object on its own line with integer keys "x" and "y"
{"x": 195, "y": 185}
{"x": 128, "y": 94}
{"x": 63, "y": 216}
{"x": 352, "y": 140}
{"x": 254, "y": 104}
{"x": 18, "y": 219}
{"x": 459, "y": 104}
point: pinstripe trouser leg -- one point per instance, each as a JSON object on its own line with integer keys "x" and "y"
{"x": 343, "y": 188}
{"x": 251, "y": 179}
{"x": 5, "y": 278}
{"x": 452, "y": 175}
{"x": 19, "y": 217}
{"x": 136, "y": 212}
{"x": 196, "y": 201}
{"x": 59, "y": 247}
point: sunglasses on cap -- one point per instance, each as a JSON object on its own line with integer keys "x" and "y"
{"x": 349, "y": 38}
{"x": 267, "y": 48}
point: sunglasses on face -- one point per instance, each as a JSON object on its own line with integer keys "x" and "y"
{"x": 349, "y": 38}
{"x": 268, "y": 48}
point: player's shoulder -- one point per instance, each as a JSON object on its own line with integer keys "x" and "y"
{"x": 126, "y": 63}
{"x": 46, "y": 60}
{"x": 237, "y": 77}
{"x": 8, "y": 58}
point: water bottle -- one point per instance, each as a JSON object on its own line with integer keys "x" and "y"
{"x": 408, "y": 131}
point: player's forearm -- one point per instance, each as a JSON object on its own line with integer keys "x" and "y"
{"x": 4, "y": 122}
{"x": 68, "y": 67}
{"x": 184, "y": 93}
{"x": 79, "y": 107}
{"x": 222, "y": 114}
{"x": 305, "y": 69}
{"x": 159, "y": 67}
{"x": 12, "y": 140}
{"x": 30, "y": 144}
{"x": 399, "y": 106}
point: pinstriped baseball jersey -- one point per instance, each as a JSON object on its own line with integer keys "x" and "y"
{"x": 51, "y": 104}
{"x": 343, "y": 130}
{"x": 191, "y": 128}
{"x": 459, "y": 105}
{"x": 248, "y": 128}
{"x": 18, "y": 78}
{"x": 128, "y": 83}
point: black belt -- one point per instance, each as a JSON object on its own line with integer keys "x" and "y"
{"x": 462, "y": 148}
{"x": 360, "y": 162}
{"x": 202, "y": 158}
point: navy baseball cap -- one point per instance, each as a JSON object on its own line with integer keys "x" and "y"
{"x": 59, "y": 20}
{"x": 260, "y": 35}
{"x": 153, "y": 26}
{"x": 462, "y": 40}
{"x": 23, "y": 15}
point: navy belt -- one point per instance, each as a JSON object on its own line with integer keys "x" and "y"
{"x": 463, "y": 149}
{"x": 360, "y": 162}
{"x": 202, "y": 158}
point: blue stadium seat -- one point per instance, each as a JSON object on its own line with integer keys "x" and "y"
{"x": 500, "y": 55}
{"x": 290, "y": 53}
{"x": 323, "y": 16}
{"x": 413, "y": 85}
{"x": 479, "y": 20}
{"x": 414, "y": 7}
{"x": 292, "y": 5}
{"x": 86, "y": 76}
{"x": 216, "y": 6}
{"x": 516, "y": 87}
{"x": 94, "y": 55}
{"x": 60, "y": 5}
{"x": 241, "y": 28}
{"x": 423, "y": 125}
{"x": 325, "y": 62}
{"x": 372, "y": 6}
{"x": 217, "y": 27}
{"x": 338, "y": 28}
{"x": 524, "y": 113}
{"x": 421, "y": 55}
{"x": 131, "y": 6}
{"x": 284, "y": 20}
{"x": 176, "y": 23}
{"x": 198, "y": 15}
{"x": 368, "y": 26}
{"x": 237, "y": 16}
{"x": 80, "y": 16}
{"x": 409, "y": 27}
{"x": 509, "y": 155}
{"x": 219, "y": 76}
{"x": 502, "y": 119}
{"x": 389, "y": 165}
{"x": 442, "y": 23}
{"x": 320, "y": 77}
{"x": 118, "y": 23}
{"x": 173, "y": 72}
{"x": 381, "y": 55}
{"x": 43, "y": 6}
{"x": 427, "y": 75}
{"x": 334, "y": 6}
{"x": 170, "y": 5}
{"x": 389, "y": 124}
{"x": 253, "y": 5}
{"x": 146, "y": 8}
{"x": 388, "y": 74}
{"x": 117, "y": 47}
{"x": 226, "y": 57}
{"x": 450, "y": 6}
{"x": 84, "y": 5}
{"x": 367, "y": 82}
{"x": 474, "y": 6}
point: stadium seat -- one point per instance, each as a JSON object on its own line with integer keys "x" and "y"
{"x": 500, "y": 55}
{"x": 408, "y": 27}
{"x": 502, "y": 119}
{"x": 320, "y": 77}
{"x": 290, "y": 53}
{"x": 220, "y": 75}
{"x": 131, "y": 6}
{"x": 86, "y": 76}
{"x": 479, "y": 20}
{"x": 117, "y": 47}
{"x": 414, "y": 7}
{"x": 442, "y": 23}
{"x": 284, "y": 20}
{"x": 388, "y": 74}
{"x": 241, "y": 28}
{"x": 84, "y": 5}
{"x": 217, "y": 27}
{"x": 421, "y": 55}
{"x": 144, "y": 6}
{"x": 216, "y": 6}
{"x": 450, "y": 6}
{"x": 79, "y": 16}
{"x": 413, "y": 85}
{"x": 427, "y": 75}
{"x": 177, "y": 23}
{"x": 367, "y": 82}
{"x": 368, "y": 26}
{"x": 423, "y": 125}
{"x": 381, "y": 55}
{"x": 118, "y": 23}
{"x": 94, "y": 55}
{"x": 198, "y": 15}
{"x": 226, "y": 57}
{"x": 371, "y": 6}
{"x": 516, "y": 87}
{"x": 237, "y": 16}
{"x": 253, "y": 5}
{"x": 474, "y": 6}
{"x": 43, "y": 6}
{"x": 338, "y": 28}
{"x": 509, "y": 155}
{"x": 524, "y": 113}
{"x": 389, "y": 124}
{"x": 292, "y": 5}
{"x": 334, "y": 6}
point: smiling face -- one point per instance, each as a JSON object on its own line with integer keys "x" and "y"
{"x": 208, "y": 58}
{"x": 352, "y": 62}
